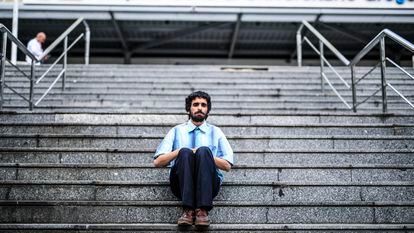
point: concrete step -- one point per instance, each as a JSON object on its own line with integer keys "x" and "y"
{"x": 314, "y": 83}
{"x": 221, "y": 228}
{"x": 259, "y": 142}
{"x": 191, "y": 69}
{"x": 187, "y": 87}
{"x": 73, "y": 190}
{"x": 149, "y": 106}
{"x": 214, "y": 118}
{"x": 243, "y": 157}
{"x": 231, "y": 129}
{"x": 219, "y": 78}
{"x": 150, "y": 76}
{"x": 22, "y": 107}
{"x": 204, "y": 71}
{"x": 271, "y": 173}
{"x": 203, "y": 68}
{"x": 229, "y": 100}
{"x": 224, "y": 212}
{"x": 179, "y": 95}
{"x": 272, "y": 104}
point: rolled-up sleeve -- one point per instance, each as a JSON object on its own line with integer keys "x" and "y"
{"x": 224, "y": 149}
{"x": 166, "y": 144}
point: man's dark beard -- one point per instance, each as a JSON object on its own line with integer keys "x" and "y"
{"x": 198, "y": 118}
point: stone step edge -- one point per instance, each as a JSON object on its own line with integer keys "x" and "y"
{"x": 213, "y": 227}
{"x": 275, "y": 125}
{"x": 297, "y": 114}
{"x": 138, "y": 166}
{"x": 216, "y": 203}
{"x": 340, "y": 107}
{"x": 265, "y": 94}
{"x": 283, "y": 102}
{"x": 225, "y": 183}
{"x": 258, "y": 137}
{"x": 285, "y": 99}
{"x": 291, "y": 110}
{"x": 276, "y": 84}
{"x": 152, "y": 150}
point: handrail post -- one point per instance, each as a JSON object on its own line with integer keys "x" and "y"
{"x": 299, "y": 46}
{"x": 322, "y": 65}
{"x": 65, "y": 62}
{"x": 87, "y": 41}
{"x": 3, "y": 68}
{"x": 32, "y": 80}
{"x": 383, "y": 81}
{"x": 354, "y": 99}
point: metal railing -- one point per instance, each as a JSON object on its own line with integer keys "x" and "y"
{"x": 380, "y": 38}
{"x": 34, "y": 60}
{"x": 323, "y": 42}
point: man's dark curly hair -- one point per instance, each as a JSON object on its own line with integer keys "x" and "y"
{"x": 197, "y": 94}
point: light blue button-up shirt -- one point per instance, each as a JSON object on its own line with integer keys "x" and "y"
{"x": 208, "y": 135}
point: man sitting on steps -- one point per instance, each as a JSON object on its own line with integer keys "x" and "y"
{"x": 196, "y": 152}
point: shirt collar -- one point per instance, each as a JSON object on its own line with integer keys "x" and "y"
{"x": 191, "y": 126}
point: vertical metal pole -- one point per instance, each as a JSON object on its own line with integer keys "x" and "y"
{"x": 3, "y": 68}
{"x": 15, "y": 28}
{"x": 65, "y": 62}
{"x": 299, "y": 47}
{"x": 412, "y": 58}
{"x": 354, "y": 99}
{"x": 383, "y": 80}
{"x": 32, "y": 80}
{"x": 87, "y": 42}
{"x": 87, "y": 45}
{"x": 322, "y": 65}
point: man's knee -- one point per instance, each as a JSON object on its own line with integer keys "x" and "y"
{"x": 185, "y": 153}
{"x": 204, "y": 152}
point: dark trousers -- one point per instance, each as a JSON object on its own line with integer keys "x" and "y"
{"x": 194, "y": 179}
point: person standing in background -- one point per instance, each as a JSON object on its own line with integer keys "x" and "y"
{"x": 35, "y": 47}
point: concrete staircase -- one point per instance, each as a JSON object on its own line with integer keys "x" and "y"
{"x": 162, "y": 89}
{"x": 82, "y": 161}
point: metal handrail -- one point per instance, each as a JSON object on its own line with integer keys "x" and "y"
{"x": 63, "y": 37}
{"x": 60, "y": 38}
{"x": 20, "y": 45}
{"x": 380, "y": 38}
{"x": 323, "y": 42}
{"x": 315, "y": 32}
{"x": 377, "y": 39}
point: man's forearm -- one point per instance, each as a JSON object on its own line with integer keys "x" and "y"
{"x": 164, "y": 159}
{"x": 222, "y": 164}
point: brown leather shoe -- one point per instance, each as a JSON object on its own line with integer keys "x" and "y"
{"x": 186, "y": 218}
{"x": 202, "y": 218}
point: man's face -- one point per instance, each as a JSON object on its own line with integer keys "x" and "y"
{"x": 41, "y": 37}
{"x": 198, "y": 109}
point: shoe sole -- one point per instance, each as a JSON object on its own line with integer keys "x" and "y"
{"x": 183, "y": 223}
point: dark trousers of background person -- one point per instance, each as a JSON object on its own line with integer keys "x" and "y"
{"x": 194, "y": 179}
